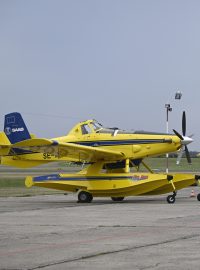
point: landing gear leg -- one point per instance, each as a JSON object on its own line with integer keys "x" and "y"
{"x": 171, "y": 198}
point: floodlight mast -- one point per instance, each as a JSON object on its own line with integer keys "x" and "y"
{"x": 178, "y": 95}
{"x": 168, "y": 107}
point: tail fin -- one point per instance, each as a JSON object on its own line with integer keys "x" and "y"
{"x": 15, "y": 128}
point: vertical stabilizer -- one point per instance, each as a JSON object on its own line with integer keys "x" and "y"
{"x": 15, "y": 128}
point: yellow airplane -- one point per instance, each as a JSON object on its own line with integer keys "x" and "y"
{"x": 109, "y": 152}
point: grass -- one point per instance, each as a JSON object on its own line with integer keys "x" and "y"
{"x": 11, "y": 185}
{"x": 16, "y": 187}
{"x": 159, "y": 164}
{"x": 11, "y": 182}
{"x": 25, "y": 192}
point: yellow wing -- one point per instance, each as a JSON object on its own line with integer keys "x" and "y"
{"x": 75, "y": 151}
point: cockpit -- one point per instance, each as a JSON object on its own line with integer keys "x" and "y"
{"x": 91, "y": 127}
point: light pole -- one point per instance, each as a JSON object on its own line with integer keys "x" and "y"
{"x": 168, "y": 107}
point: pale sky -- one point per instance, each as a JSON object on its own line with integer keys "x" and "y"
{"x": 119, "y": 62}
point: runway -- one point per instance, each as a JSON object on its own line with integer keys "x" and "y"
{"x": 55, "y": 232}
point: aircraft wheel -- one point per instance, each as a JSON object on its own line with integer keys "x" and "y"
{"x": 198, "y": 197}
{"x": 117, "y": 199}
{"x": 171, "y": 199}
{"x": 85, "y": 197}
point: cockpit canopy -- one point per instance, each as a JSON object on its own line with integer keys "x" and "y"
{"x": 90, "y": 127}
{"x": 94, "y": 127}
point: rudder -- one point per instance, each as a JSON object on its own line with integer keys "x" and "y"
{"x": 15, "y": 128}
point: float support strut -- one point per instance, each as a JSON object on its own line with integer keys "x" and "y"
{"x": 127, "y": 168}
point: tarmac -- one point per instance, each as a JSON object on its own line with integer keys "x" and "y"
{"x": 55, "y": 232}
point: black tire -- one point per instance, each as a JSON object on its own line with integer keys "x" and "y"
{"x": 85, "y": 197}
{"x": 171, "y": 199}
{"x": 117, "y": 199}
{"x": 198, "y": 197}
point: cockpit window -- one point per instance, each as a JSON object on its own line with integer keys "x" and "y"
{"x": 96, "y": 126}
{"x": 85, "y": 129}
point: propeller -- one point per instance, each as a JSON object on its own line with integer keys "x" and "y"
{"x": 184, "y": 141}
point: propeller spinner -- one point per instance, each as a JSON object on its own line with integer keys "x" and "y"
{"x": 184, "y": 142}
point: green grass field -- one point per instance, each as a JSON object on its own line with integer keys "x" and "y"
{"x": 15, "y": 187}
{"x": 11, "y": 185}
{"x": 159, "y": 164}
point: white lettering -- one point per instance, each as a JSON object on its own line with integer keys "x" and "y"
{"x": 17, "y": 129}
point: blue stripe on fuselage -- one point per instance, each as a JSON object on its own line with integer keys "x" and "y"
{"x": 120, "y": 142}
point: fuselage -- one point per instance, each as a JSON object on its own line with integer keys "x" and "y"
{"x": 133, "y": 145}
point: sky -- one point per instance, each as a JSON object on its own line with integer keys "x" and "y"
{"x": 116, "y": 61}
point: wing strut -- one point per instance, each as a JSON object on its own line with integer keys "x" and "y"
{"x": 147, "y": 167}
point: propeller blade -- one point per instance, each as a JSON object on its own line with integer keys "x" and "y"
{"x": 179, "y": 135}
{"x": 188, "y": 155}
{"x": 184, "y": 141}
{"x": 180, "y": 155}
{"x": 184, "y": 123}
